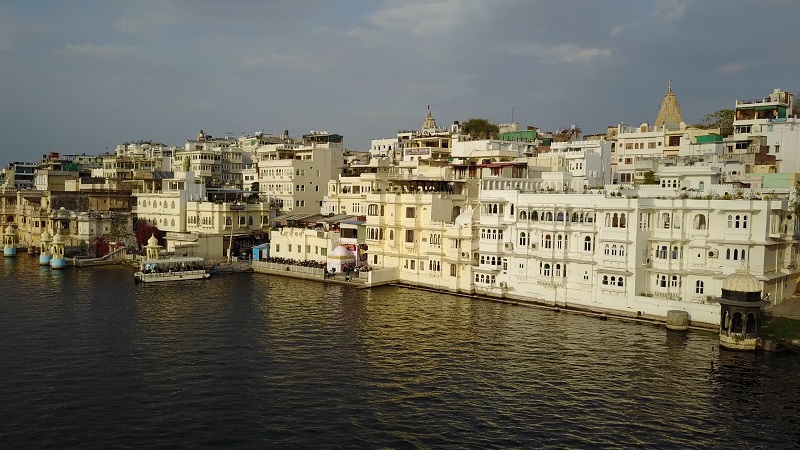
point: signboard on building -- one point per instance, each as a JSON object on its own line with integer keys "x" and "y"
{"x": 418, "y": 151}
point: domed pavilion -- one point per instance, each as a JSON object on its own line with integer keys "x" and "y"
{"x": 740, "y": 311}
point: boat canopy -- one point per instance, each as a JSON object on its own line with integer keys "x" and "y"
{"x": 185, "y": 259}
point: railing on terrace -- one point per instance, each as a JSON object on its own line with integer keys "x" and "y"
{"x": 308, "y": 271}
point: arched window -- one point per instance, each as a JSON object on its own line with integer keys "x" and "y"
{"x": 662, "y": 254}
{"x": 736, "y": 254}
{"x": 665, "y": 219}
{"x": 523, "y": 215}
{"x": 728, "y": 254}
{"x": 228, "y": 221}
{"x": 560, "y": 216}
{"x": 534, "y": 216}
{"x": 750, "y": 326}
{"x": 744, "y": 222}
{"x": 615, "y": 221}
{"x": 663, "y": 281}
{"x": 619, "y": 282}
{"x": 736, "y": 223}
{"x": 614, "y": 250}
{"x": 622, "y": 220}
{"x": 546, "y": 270}
{"x": 700, "y": 222}
{"x": 702, "y": 186}
{"x": 699, "y": 287}
{"x": 549, "y": 216}
{"x": 674, "y": 281}
{"x": 559, "y": 242}
{"x": 250, "y": 221}
{"x": 730, "y": 221}
{"x": 172, "y": 222}
{"x": 605, "y": 279}
{"x": 557, "y": 271}
{"x": 587, "y": 244}
{"x": 607, "y": 249}
{"x": 523, "y": 238}
{"x": 547, "y": 242}
{"x": 736, "y": 323}
{"x": 621, "y": 250}
{"x": 674, "y": 252}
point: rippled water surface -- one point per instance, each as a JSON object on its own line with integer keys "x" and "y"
{"x": 89, "y": 359}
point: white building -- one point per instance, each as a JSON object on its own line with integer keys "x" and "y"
{"x": 770, "y": 118}
{"x": 295, "y": 175}
{"x": 631, "y": 255}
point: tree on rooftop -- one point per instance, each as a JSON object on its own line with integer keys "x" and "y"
{"x": 480, "y": 129}
{"x": 722, "y": 119}
{"x": 567, "y": 134}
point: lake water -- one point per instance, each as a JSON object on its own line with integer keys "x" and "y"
{"x": 91, "y": 360}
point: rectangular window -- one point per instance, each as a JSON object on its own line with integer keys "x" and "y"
{"x": 674, "y": 141}
{"x": 409, "y": 235}
{"x": 411, "y": 213}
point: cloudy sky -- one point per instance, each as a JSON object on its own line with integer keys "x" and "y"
{"x": 80, "y": 76}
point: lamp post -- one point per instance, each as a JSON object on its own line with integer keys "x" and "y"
{"x": 234, "y": 221}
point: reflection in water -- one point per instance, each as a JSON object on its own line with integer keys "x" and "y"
{"x": 252, "y": 360}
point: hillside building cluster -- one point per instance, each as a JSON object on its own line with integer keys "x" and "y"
{"x": 639, "y": 220}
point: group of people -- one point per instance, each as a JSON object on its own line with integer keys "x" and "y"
{"x": 348, "y": 275}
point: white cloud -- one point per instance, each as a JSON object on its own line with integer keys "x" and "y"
{"x": 670, "y": 10}
{"x": 424, "y": 19}
{"x": 731, "y": 67}
{"x": 146, "y": 21}
{"x": 94, "y": 50}
{"x": 615, "y": 31}
{"x": 568, "y": 53}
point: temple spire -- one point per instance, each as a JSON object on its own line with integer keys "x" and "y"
{"x": 670, "y": 111}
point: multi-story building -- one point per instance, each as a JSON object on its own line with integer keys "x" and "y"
{"x": 629, "y": 253}
{"x": 295, "y": 175}
{"x": 767, "y": 125}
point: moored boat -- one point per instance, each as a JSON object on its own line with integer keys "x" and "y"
{"x": 171, "y": 269}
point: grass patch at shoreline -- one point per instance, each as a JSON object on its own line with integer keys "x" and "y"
{"x": 781, "y": 329}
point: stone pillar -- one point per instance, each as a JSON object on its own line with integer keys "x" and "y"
{"x": 677, "y": 320}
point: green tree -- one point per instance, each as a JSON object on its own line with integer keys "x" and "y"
{"x": 567, "y": 134}
{"x": 722, "y": 119}
{"x": 796, "y": 105}
{"x": 649, "y": 177}
{"x": 480, "y": 129}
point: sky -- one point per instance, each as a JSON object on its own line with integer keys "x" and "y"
{"x": 82, "y": 76}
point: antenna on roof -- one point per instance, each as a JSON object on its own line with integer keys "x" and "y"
{"x": 512, "y": 114}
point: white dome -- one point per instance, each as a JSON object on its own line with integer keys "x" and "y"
{"x": 464, "y": 220}
{"x": 341, "y": 252}
{"x": 9, "y": 230}
{"x": 741, "y": 281}
{"x": 46, "y": 236}
{"x": 57, "y": 238}
{"x": 152, "y": 242}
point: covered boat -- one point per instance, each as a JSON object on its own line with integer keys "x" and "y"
{"x": 171, "y": 269}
